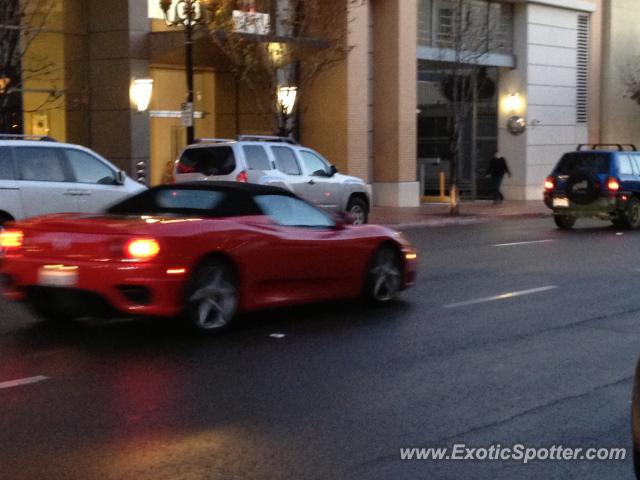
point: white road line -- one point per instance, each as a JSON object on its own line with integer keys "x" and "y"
{"x": 503, "y": 296}
{"x": 523, "y": 243}
{"x": 22, "y": 381}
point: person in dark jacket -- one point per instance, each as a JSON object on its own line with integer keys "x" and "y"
{"x": 496, "y": 171}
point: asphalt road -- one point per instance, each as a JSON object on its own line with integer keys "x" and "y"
{"x": 348, "y": 386}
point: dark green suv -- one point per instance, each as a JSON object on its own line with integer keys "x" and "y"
{"x": 596, "y": 181}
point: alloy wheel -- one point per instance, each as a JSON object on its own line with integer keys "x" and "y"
{"x": 359, "y": 215}
{"x": 214, "y": 299}
{"x": 385, "y": 275}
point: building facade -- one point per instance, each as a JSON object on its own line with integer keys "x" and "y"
{"x": 383, "y": 114}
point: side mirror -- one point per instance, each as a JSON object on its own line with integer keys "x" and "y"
{"x": 342, "y": 219}
{"x": 333, "y": 170}
{"x": 120, "y": 177}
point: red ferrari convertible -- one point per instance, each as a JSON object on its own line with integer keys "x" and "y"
{"x": 203, "y": 251}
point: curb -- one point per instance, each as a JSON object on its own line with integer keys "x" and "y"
{"x": 465, "y": 220}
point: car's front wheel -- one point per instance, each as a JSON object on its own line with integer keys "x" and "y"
{"x": 564, "y": 222}
{"x": 384, "y": 277}
{"x": 359, "y": 210}
{"x": 212, "y": 296}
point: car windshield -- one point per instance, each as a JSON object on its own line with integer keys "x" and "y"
{"x": 590, "y": 162}
{"x": 186, "y": 202}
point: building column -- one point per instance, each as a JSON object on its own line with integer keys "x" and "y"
{"x": 118, "y": 53}
{"x": 395, "y": 103}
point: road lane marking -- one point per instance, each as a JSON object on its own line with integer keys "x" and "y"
{"x": 503, "y": 296}
{"x": 531, "y": 242}
{"x": 22, "y": 381}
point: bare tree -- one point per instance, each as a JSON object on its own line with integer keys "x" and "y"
{"x": 21, "y": 22}
{"x": 466, "y": 35}
{"x": 300, "y": 40}
{"x": 631, "y": 80}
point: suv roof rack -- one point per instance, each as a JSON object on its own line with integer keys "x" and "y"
{"x": 619, "y": 146}
{"x": 17, "y": 136}
{"x": 266, "y": 138}
{"x": 213, "y": 140}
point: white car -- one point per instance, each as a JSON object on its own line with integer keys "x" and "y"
{"x": 41, "y": 177}
{"x": 278, "y": 162}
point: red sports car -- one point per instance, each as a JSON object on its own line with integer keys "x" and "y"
{"x": 203, "y": 251}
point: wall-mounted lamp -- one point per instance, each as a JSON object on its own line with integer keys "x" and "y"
{"x": 513, "y": 103}
{"x": 287, "y": 99}
{"x": 140, "y": 93}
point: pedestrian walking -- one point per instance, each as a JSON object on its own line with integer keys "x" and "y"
{"x": 497, "y": 169}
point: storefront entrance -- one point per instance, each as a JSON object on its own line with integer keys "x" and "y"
{"x": 435, "y": 125}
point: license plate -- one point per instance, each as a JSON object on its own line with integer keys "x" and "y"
{"x": 58, "y": 276}
{"x": 561, "y": 202}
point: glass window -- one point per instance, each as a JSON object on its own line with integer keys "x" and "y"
{"x": 256, "y": 157}
{"x": 314, "y": 164}
{"x": 286, "y": 161}
{"x": 207, "y": 160}
{"x": 293, "y": 212}
{"x": 188, "y": 199}
{"x": 6, "y": 164}
{"x": 591, "y": 162}
{"x": 624, "y": 164}
{"x": 88, "y": 169}
{"x": 39, "y": 164}
{"x": 635, "y": 163}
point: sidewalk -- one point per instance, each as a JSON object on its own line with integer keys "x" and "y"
{"x": 436, "y": 214}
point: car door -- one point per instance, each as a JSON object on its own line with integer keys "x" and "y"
{"x": 625, "y": 171}
{"x": 258, "y": 164}
{"x": 95, "y": 182}
{"x": 10, "y": 200}
{"x": 321, "y": 188}
{"x": 44, "y": 180}
{"x": 287, "y": 164}
{"x": 308, "y": 257}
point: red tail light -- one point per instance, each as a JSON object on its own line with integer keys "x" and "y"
{"x": 242, "y": 177}
{"x": 182, "y": 168}
{"x": 613, "y": 185}
{"x": 11, "y": 239}
{"x": 549, "y": 184}
{"x": 142, "y": 249}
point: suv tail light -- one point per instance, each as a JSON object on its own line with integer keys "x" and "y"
{"x": 11, "y": 239}
{"x": 242, "y": 177}
{"x": 612, "y": 184}
{"x": 549, "y": 183}
{"x": 142, "y": 249}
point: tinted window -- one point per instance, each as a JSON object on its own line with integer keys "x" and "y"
{"x": 591, "y": 162}
{"x": 187, "y": 201}
{"x": 39, "y": 164}
{"x": 314, "y": 164}
{"x": 207, "y": 160}
{"x": 88, "y": 169}
{"x": 286, "y": 160}
{"x": 6, "y": 164}
{"x": 635, "y": 163}
{"x": 256, "y": 157}
{"x": 624, "y": 165}
{"x": 292, "y": 212}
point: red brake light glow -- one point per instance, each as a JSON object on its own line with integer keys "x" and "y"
{"x": 182, "y": 168}
{"x": 11, "y": 239}
{"x": 142, "y": 249}
{"x": 242, "y": 177}
{"x": 549, "y": 184}
{"x": 613, "y": 185}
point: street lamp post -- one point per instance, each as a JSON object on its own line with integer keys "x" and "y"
{"x": 189, "y": 14}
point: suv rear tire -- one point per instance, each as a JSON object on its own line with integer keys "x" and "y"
{"x": 564, "y": 222}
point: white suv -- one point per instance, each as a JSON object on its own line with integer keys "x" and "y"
{"x": 279, "y": 162}
{"x": 41, "y": 177}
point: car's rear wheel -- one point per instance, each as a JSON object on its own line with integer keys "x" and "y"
{"x": 358, "y": 208}
{"x": 632, "y": 213}
{"x": 564, "y": 222}
{"x": 212, "y": 296}
{"x": 384, "y": 277}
